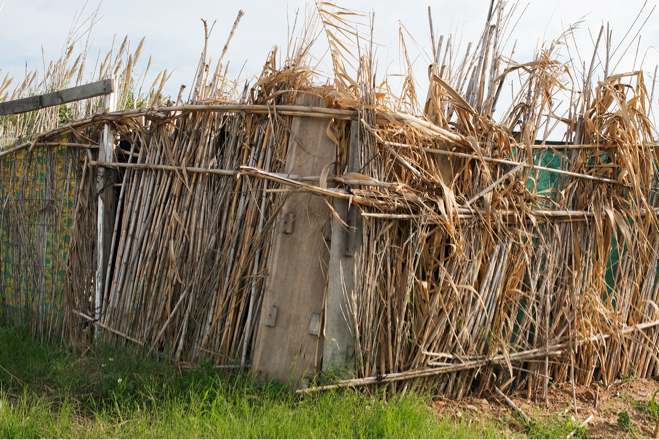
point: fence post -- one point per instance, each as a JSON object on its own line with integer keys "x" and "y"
{"x": 104, "y": 181}
{"x": 339, "y": 348}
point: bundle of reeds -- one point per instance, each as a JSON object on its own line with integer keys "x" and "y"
{"x": 495, "y": 260}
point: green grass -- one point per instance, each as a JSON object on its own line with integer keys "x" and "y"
{"x": 558, "y": 426}
{"x": 648, "y": 409}
{"x": 46, "y": 392}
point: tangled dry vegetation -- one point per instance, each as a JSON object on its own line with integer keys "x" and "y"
{"x": 491, "y": 256}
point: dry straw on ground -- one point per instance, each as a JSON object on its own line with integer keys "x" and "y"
{"x": 490, "y": 256}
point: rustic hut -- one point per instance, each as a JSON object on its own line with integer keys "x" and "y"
{"x": 293, "y": 228}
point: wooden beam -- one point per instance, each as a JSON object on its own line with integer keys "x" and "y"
{"x": 92, "y": 90}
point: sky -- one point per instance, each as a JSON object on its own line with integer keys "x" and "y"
{"x": 31, "y": 30}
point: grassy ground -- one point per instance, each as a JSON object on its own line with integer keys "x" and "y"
{"x": 45, "y": 392}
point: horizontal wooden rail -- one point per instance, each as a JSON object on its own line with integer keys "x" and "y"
{"x": 463, "y": 212}
{"x": 551, "y": 348}
{"x": 284, "y": 110}
{"x": 510, "y": 162}
{"x": 60, "y": 97}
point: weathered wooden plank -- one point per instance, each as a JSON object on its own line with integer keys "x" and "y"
{"x": 60, "y": 97}
{"x": 338, "y": 353}
{"x": 288, "y": 346}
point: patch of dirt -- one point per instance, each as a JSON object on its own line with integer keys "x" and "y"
{"x": 557, "y": 418}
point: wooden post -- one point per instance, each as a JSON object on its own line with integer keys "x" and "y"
{"x": 339, "y": 348}
{"x": 104, "y": 190}
{"x": 289, "y": 344}
{"x": 352, "y": 218}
